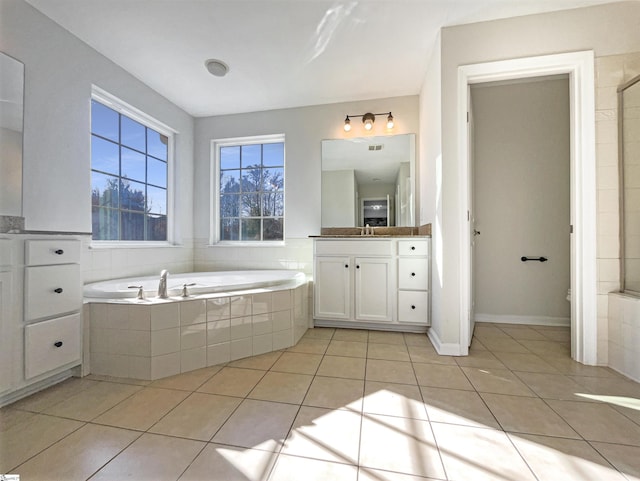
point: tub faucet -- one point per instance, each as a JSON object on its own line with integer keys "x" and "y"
{"x": 162, "y": 286}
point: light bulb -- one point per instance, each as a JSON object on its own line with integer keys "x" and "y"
{"x": 390, "y": 121}
{"x": 368, "y": 125}
{"x": 347, "y": 124}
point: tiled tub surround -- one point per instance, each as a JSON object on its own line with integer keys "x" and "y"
{"x": 624, "y": 334}
{"x": 152, "y": 341}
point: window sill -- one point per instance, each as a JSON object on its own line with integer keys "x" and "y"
{"x": 130, "y": 245}
{"x": 248, "y": 244}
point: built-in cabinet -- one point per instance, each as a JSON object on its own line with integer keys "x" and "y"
{"x": 372, "y": 283}
{"x": 41, "y": 304}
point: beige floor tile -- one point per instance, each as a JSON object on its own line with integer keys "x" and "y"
{"x": 479, "y": 454}
{"x": 547, "y": 348}
{"x": 390, "y": 352}
{"x": 552, "y": 459}
{"x": 415, "y": 339}
{"x": 29, "y": 437}
{"x": 257, "y": 424}
{"x": 319, "y": 333}
{"x": 10, "y": 417}
{"x": 498, "y": 381}
{"x": 524, "y": 333}
{"x": 609, "y": 386}
{"x": 297, "y": 362}
{"x": 480, "y": 358}
{"x": 282, "y": 387}
{"x": 429, "y": 355}
{"x": 326, "y": 434}
{"x": 263, "y": 362}
{"x": 357, "y": 335}
{"x": 232, "y": 381}
{"x": 53, "y": 395}
{"x": 143, "y": 409}
{"x": 435, "y": 375}
{"x": 525, "y": 362}
{"x": 400, "y": 445}
{"x": 218, "y": 462}
{"x": 310, "y": 346}
{"x": 505, "y": 345}
{"x": 457, "y": 407}
{"x": 289, "y": 468}
{"x": 197, "y": 417}
{"x": 476, "y": 345}
{"x": 559, "y": 336}
{"x": 345, "y": 367}
{"x": 485, "y": 331}
{"x": 369, "y": 474}
{"x": 626, "y": 459}
{"x": 92, "y": 402}
{"x": 188, "y": 381}
{"x": 598, "y": 422}
{"x": 568, "y": 366}
{"x": 404, "y": 400}
{"x": 151, "y": 457}
{"x": 79, "y": 455}
{"x": 390, "y": 371}
{"x": 347, "y": 348}
{"x": 335, "y": 393}
{"x": 527, "y": 415}
{"x": 119, "y": 380}
{"x": 553, "y": 386}
{"x": 385, "y": 337}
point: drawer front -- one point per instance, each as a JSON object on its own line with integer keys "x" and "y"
{"x": 413, "y": 307}
{"x": 51, "y": 344}
{"x": 6, "y": 253}
{"x": 50, "y": 251}
{"x": 418, "y": 247}
{"x": 363, "y": 248}
{"x": 51, "y": 290}
{"x": 413, "y": 274}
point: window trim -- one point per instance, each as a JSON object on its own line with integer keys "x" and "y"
{"x": 123, "y": 108}
{"x": 214, "y": 194}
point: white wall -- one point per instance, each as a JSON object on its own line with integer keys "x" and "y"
{"x": 59, "y": 73}
{"x": 304, "y": 129}
{"x": 521, "y": 163}
{"x": 607, "y": 29}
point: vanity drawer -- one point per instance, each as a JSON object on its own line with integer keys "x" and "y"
{"x": 51, "y": 290}
{"x": 418, "y": 247}
{"x": 51, "y": 251}
{"x": 51, "y": 344}
{"x": 413, "y": 306}
{"x": 413, "y": 274}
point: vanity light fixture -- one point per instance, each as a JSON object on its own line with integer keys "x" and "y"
{"x": 368, "y": 119}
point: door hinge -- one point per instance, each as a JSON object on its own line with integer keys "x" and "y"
{"x": 467, "y": 117}
{"x": 570, "y": 228}
{"x": 468, "y": 216}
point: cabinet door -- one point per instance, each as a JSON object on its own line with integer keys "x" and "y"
{"x": 332, "y": 296}
{"x": 373, "y": 288}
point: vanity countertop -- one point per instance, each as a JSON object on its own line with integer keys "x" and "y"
{"x": 378, "y": 232}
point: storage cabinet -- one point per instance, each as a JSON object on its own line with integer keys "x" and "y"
{"x": 371, "y": 283}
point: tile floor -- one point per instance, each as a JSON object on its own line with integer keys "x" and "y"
{"x": 343, "y": 405}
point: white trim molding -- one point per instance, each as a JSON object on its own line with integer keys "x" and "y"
{"x": 580, "y": 68}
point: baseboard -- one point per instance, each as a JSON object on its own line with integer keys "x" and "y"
{"x": 34, "y": 388}
{"x": 533, "y": 320}
{"x": 443, "y": 348}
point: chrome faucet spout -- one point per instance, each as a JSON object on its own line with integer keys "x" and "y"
{"x": 162, "y": 285}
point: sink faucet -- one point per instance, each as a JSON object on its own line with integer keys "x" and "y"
{"x": 162, "y": 286}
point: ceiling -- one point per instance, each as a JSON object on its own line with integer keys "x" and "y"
{"x": 281, "y": 53}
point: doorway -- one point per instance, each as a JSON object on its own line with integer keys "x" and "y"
{"x": 580, "y": 69}
{"x": 519, "y": 152}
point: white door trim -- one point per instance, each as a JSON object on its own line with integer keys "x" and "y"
{"x": 580, "y": 67}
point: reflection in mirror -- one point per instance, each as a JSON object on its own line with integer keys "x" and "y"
{"x": 629, "y": 147}
{"x": 368, "y": 181}
{"x": 11, "y": 113}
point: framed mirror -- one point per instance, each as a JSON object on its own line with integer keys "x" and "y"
{"x": 629, "y": 170}
{"x": 368, "y": 180}
{"x": 11, "y": 121}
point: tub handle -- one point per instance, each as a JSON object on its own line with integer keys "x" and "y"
{"x": 140, "y": 291}
{"x": 185, "y": 292}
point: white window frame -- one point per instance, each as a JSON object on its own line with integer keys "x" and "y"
{"x": 214, "y": 214}
{"x": 138, "y": 115}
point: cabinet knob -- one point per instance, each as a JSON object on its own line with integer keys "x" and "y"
{"x": 58, "y": 343}
{"x": 357, "y": 267}
{"x": 346, "y": 266}
{"x": 413, "y": 307}
{"x": 59, "y": 252}
{"x": 58, "y": 290}
{"x": 413, "y": 274}
{"x": 413, "y": 248}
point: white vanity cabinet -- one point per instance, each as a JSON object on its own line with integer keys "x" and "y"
{"x": 372, "y": 283}
{"x": 354, "y": 280}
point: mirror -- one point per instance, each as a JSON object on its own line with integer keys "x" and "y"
{"x": 629, "y": 150}
{"x": 368, "y": 181}
{"x": 11, "y": 115}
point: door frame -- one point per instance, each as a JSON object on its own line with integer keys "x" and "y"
{"x": 580, "y": 67}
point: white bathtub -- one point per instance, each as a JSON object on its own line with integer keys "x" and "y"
{"x": 204, "y": 283}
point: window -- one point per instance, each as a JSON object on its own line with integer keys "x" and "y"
{"x": 130, "y": 156}
{"x": 250, "y": 186}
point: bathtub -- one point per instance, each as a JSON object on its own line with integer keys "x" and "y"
{"x": 204, "y": 283}
{"x": 227, "y": 316}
